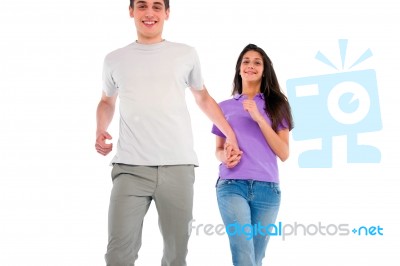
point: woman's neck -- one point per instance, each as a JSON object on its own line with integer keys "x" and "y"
{"x": 250, "y": 90}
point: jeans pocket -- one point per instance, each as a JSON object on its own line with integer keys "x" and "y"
{"x": 277, "y": 190}
{"x": 223, "y": 182}
{"x": 114, "y": 171}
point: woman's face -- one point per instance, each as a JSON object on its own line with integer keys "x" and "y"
{"x": 251, "y": 67}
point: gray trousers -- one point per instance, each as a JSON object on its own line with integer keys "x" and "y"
{"x": 134, "y": 187}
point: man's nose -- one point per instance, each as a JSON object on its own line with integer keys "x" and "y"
{"x": 149, "y": 13}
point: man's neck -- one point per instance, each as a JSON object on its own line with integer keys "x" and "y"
{"x": 149, "y": 41}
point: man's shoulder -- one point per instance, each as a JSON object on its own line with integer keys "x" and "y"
{"x": 119, "y": 51}
{"x": 180, "y": 46}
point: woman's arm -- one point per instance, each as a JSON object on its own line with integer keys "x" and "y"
{"x": 279, "y": 142}
{"x": 222, "y": 150}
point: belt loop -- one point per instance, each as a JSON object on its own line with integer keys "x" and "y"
{"x": 216, "y": 183}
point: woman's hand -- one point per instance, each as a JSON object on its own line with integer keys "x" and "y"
{"x": 232, "y": 155}
{"x": 251, "y": 107}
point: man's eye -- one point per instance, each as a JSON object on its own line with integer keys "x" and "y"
{"x": 157, "y": 8}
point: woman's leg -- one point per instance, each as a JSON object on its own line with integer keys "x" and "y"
{"x": 232, "y": 196}
{"x": 264, "y": 210}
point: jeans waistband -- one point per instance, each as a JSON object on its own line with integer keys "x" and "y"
{"x": 252, "y": 182}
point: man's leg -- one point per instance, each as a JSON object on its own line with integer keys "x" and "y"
{"x": 133, "y": 187}
{"x": 174, "y": 201}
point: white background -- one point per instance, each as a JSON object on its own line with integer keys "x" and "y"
{"x": 54, "y": 187}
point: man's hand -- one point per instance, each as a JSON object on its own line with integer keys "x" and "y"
{"x": 101, "y": 146}
{"x": 232, "y": 155}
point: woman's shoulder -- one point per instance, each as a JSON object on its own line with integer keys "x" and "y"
{"x": 227, "y": 102}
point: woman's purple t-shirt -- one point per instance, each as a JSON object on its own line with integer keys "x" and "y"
{"x": 258, "y": 161}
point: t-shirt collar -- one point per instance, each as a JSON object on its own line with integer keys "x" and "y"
{"x": 238, "y": 96}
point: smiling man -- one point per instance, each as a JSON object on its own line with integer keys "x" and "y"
{"x": 155, "y": 158}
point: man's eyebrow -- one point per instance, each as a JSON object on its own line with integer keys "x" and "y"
{"x": 155, "y": 3}
{"x": 159, "y": 3}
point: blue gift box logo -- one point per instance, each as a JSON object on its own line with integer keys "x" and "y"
{"x": 344, "y": 103}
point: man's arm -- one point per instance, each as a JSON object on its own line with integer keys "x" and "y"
{"x": 208, "y": 105}
{"x": 104, "y": 115}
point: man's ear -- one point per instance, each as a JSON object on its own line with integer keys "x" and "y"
{"x": 130, "y": 11}
{"x": 167, "y": 14}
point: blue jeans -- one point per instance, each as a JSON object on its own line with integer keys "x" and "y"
{"x": 247, "y": 207}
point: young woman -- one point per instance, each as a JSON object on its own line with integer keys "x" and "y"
{"x": 248, "y": 190}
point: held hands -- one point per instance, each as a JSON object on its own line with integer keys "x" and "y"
{"x": 232, "y": 155}
{"x": 251, "y": 107}
{"x": 101, "y": 146}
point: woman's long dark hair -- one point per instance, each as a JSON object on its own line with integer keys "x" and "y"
{"x": 276, "y": 103}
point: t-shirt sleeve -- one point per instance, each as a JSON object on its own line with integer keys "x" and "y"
{"x": 109, "y": 86}
{"x": 195, "y": 77}
{"x": 283, "y": 125}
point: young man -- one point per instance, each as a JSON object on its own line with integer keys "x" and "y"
{"x": 155, "y": 159}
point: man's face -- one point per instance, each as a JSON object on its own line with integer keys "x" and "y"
{"x": 149, "y": 18}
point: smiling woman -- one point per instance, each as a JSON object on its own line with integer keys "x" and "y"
{"x": 248, "y": 190}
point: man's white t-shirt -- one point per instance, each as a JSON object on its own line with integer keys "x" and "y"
{"x": 150, "y": 80}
